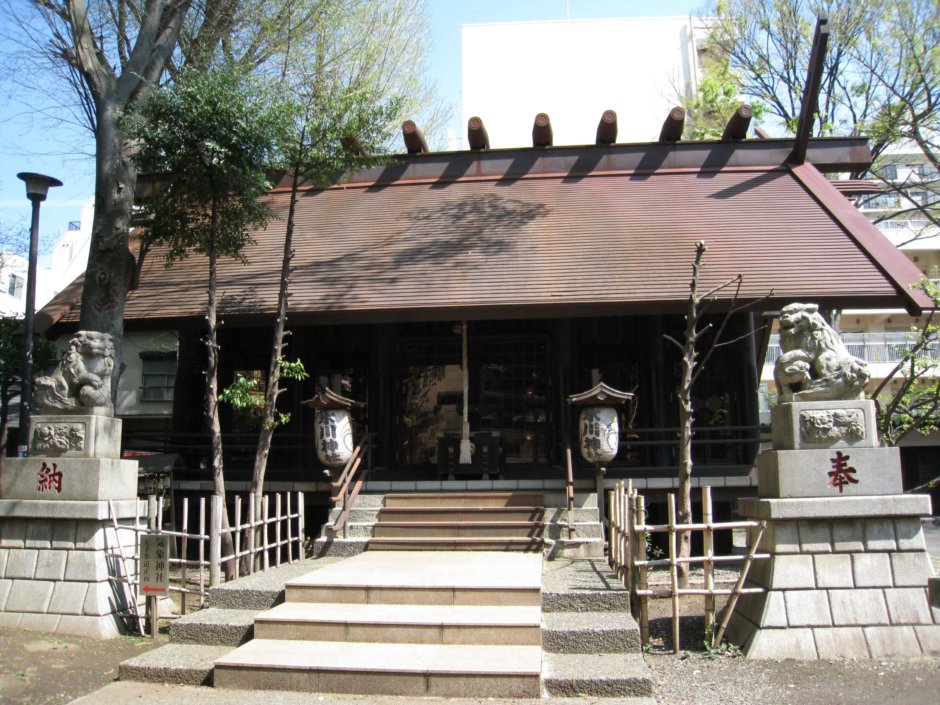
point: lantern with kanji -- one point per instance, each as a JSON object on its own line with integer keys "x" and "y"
{"x": 334, "y": 427}
{"x": 598, "y": 423}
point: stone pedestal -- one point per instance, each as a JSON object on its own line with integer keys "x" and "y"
{"x": 59, "y": 550}
{"x": 848, "y": 570}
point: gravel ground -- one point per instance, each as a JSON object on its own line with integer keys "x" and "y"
{"x": 40, "y": 669}
{"x": 697, "y": 676}
{"x": 49, "y": 669}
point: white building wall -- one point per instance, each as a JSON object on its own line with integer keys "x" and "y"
{"x": 12, "y": 278}
{"x": 69, "y": 260}
{"x": 574, "y": 70}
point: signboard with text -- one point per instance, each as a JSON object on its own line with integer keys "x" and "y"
{"x": 154, "y": 564}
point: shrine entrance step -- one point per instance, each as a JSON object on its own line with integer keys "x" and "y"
{"x": 460, "y": 521}
{"x": 417, "y": 624}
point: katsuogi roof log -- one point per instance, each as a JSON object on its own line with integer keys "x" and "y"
{"x": 673, "y": 126}
{"x": 738, "y": 123}
{"x": 542, "y": 131}
{"x": 607, "y": 128}
{"x": 414, "y": 138}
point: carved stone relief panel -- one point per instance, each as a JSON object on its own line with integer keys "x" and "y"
{"x": 826, "y": 426}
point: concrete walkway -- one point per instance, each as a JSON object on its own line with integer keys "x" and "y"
{"x": 131, "y": 693}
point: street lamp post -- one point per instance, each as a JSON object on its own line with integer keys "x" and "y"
{"x": 37, "y": 186}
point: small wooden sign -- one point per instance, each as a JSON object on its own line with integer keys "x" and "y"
{"x": 154, "y": 564}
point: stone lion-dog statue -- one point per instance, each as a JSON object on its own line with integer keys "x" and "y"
{"x": 815, "y": 364}
{"x": 81, "y": 384}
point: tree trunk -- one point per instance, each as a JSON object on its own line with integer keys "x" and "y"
{"x": 686, "y": 418}
{"x": 110, "y": 263}
{"x": 212, "y": 393}
{"x": 684, "y": 504}
{"x": 272, "y": 390}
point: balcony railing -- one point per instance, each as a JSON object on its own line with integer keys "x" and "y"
{"x": 871, "y": 347}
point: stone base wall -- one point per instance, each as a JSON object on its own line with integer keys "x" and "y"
{"x": 55, "y": 571}
{"x": 852, "y": 587}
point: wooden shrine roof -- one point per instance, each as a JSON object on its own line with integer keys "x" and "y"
{"x": 559, "y": 231}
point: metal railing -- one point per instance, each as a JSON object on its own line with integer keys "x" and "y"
{"x": 871, "y": 347}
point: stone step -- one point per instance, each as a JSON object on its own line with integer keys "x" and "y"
{"x": 417, "y": 624}
{"x": 456, "y": 544}
{"x": 416, "y": 670}
{"x": 370, "y": 515}
{"x": 460, "y": 514}
{"x": 589, "y": 632}
{"x": 262, "y": 591}
{"x": 492, "y": 578}
{"x": 587, "y": 529}
{"x": 602, "y": 675}
{"x": 459, "y": 529}
{"x": 185, "y": 664}
{"x": 585, "y": 585}
{"x": 465, "y": 499}
{"x": 214, "y": 626}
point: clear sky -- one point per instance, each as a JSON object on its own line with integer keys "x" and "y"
{"x": 28, "y": 143}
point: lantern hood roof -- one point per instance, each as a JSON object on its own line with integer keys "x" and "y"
{"x": 600, "y": 395}
{"x": 328, "y": 399}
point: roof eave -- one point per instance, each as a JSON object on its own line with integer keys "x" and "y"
{"x": 897, "y": 268}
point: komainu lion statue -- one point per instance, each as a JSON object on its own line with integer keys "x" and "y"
{"x": 81, "y": 383}
{"x": 814, "y": 364}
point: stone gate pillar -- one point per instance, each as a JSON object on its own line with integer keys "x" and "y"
{"x": 848, "y": 572}
{"x": 59, "y": 551}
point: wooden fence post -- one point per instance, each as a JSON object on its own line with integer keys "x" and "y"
{"x": 184, "y": 546}
{"x": 301, "y": 526}
{"x": 251, "y": 533}
{"x": 628, "y": 543}
{"x": 639, "y": 518}
{"x": 202, "y": 552}
{"x": 673, "y": 572}
{"x": 613, "y": 537}
{"x": 708, "y": 567}
{"x": 265, "y": 519}
{"x": 277, "y": 529}
{"x": 290, "y": 533}
{"x": 215, "y": 541}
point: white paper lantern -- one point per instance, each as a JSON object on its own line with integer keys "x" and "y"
{"x": 334, "y": 437}
{"x": 600, "y": 433}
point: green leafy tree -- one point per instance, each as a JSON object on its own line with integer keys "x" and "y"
{"x": 908, "y": 398}
{"x": 208, "y": 141}
{"x": 246, "y": 396}
{"x": 110, "y": 54}
{"x": 903, "y": 65}
{"x": 86, "y": 63}
{"x": 347, "y": 90}
{"x": 767, "y": 44}
{"x": 335, "y": 128}
{"x": 881, "y": 78}
{"x": 716, "y": 97}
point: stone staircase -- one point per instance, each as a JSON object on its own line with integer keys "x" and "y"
{"x": 449, "y": 521}
{"x": 467, "y": 636}
{"x": 443, "y": 521}
{"x": 419, "y": 624}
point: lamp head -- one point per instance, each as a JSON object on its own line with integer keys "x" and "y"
{"x": 37, "y": 185}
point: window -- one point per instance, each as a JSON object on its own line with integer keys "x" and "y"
{"x": 158, "y": 375}
{"x": 927, "y": 172}
{"x": 889, "y": 172}
{"x": 15, "y": 286}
